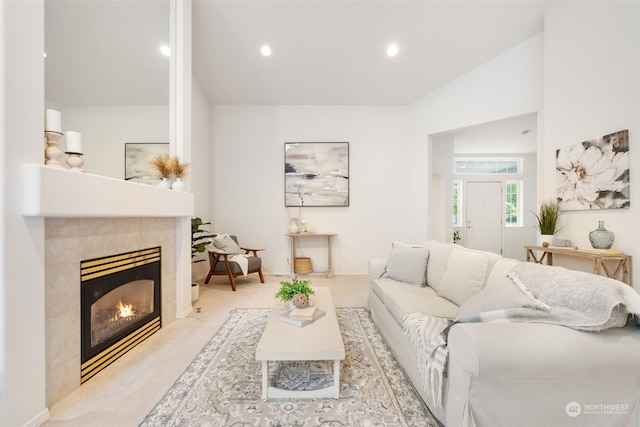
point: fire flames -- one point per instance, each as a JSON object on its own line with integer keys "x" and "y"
{"x": 125, "y": 310}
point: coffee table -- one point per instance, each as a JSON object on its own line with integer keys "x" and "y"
{"x": 319, "y": 340}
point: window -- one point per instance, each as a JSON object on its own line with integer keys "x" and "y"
{"x": 457, "y": 203}
{"x": 487, "y": 166}
{"x": 513, "y": 193}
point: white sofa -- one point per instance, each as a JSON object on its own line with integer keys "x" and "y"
{"x": 503, "y": 373}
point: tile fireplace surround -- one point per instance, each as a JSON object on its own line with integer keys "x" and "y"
{"x": 67, "y": 242}
{"x": 111, "y": 216}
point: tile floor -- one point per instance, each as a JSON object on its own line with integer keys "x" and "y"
{"x": 124, "y": 393}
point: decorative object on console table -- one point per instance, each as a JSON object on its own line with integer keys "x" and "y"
{"x": 547, "y": 222}
{"x": 294, "y": 216}
{"x": 53, "y": 134}
{"x": 601, "y": 238}
{"x": 594, "y": 174}
{"x": 73, "y": 150}
{"x": 302, "y": 265}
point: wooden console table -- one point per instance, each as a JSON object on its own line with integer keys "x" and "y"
{"x": 621, "y": 261}
{"x": 329, "y": 236}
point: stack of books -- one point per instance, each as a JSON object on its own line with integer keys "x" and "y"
{"x": 302, "y": 316}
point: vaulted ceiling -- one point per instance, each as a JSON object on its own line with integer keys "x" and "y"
{"x": 104, "y": 52}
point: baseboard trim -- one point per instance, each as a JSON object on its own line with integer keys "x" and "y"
{"x": 40, "y": 419}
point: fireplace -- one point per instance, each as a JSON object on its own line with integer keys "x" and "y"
{"x": 120, "y": 306}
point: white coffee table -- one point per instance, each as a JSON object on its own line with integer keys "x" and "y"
{"x": 319, "y": 340}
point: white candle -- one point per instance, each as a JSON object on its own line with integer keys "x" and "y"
{"x": 53, "y": 121}
{"x": 74, "y": 142}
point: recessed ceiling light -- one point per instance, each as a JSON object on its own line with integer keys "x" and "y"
{"x": 392, "y": 50}
{"x": 265, "y": 50}
{"x": 166, "y": 50}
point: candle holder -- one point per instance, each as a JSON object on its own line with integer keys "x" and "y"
{"x": 75, "y": 161}
{"x": 52, "y": 153}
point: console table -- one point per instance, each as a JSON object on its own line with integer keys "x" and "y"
{"x": 328, "y": 236}
{"x": 621, "y": 261}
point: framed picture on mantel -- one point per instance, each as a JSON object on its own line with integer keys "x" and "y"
{"x": 316, "y": 174}
{"x": 137, "y": 156}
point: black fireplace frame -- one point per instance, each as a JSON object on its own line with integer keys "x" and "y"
{"x": 143, "y": 264}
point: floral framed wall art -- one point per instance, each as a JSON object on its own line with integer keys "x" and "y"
{"x": 594, "y": 174}
{"x": 316, "y": 174}
{"x": 137, "y": 156}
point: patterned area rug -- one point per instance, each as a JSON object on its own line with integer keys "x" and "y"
{"x": 222, "y": 386}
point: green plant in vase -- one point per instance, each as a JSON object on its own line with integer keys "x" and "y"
{"x": 295, "y": 291}
{"x": 547, "y": 219}
{"x": 200, "y": 238}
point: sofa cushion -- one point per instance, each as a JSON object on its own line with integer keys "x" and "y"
{"x": 407, "y": 263}
{"x": 499, "y": 293}
{"x": 402, "y": 299}
{"x": 465, "y": 275}
{"x": 438, "y": 256}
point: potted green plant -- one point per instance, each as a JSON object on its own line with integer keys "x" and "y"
{"x": 292, "y": 291}
{"x": 200, "y": 238}
{"x": 547, "y": 221}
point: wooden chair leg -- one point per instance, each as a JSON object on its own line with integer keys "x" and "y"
{"x": 230, "y": 274}
{"x": 261, "y": 276}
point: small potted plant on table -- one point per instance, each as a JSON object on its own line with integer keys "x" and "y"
{"x": 295, "y": 292}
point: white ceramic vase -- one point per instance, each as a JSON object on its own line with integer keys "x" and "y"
{"x": 545, "y": 238}
{"x": 178, "y": 185}
{"x": 164, "y": 183}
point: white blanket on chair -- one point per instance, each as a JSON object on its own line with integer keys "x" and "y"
{"x": 238, "y": 258}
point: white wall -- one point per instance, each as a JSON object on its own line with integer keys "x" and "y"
{"x": 389, "y": 161}
{"x": 22, "y": 342}
{"x": 105, "y": 130}
{"x": 248, "y": 188}
{"x": 507, "y": 86}
{"x": 592, "y": 88}
{"x": 201, "y": 171}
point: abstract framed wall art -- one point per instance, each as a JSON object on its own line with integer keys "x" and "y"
{"x": 594, "y": 174}
{"x": 137, "y": 156}
{"x": 316, "y": 174}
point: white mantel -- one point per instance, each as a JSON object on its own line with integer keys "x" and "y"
{"x": 59, "y": 192}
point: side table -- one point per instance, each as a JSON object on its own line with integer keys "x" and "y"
{"x": 329, "y": 236}
{"x": 621, "y": 261}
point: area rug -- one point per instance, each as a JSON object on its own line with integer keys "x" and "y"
{"x": 222, "y": 386}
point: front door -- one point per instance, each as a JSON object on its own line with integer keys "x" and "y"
{"x": 484, "y": 216}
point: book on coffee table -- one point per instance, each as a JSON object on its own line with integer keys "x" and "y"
{"x": 303, "y": 313}
{"x": 285, "y": 317}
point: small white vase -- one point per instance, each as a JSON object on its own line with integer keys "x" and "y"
{"x": 545, "y": 238}
{"x": 164, "y": 183}
{"x": 293, "y": 227}
{"x": 178, "y": 185}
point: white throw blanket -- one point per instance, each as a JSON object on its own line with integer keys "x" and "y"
{"x": 238, "y": 258}
{"x": 428, "y": 343}
{"x": 574, "y": 299}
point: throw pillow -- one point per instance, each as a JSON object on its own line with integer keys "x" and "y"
{"x": 226, "y": 244}
{"x": 438, "y": 256}
{"x": 465, "y": 275}
{"x": 407, "y": 263}
{"x": 500, "y": 292}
